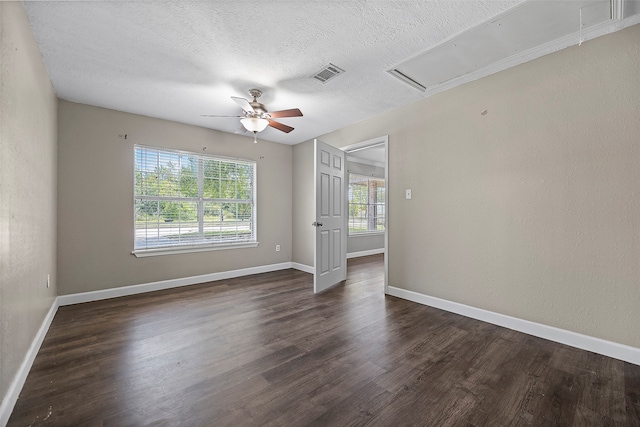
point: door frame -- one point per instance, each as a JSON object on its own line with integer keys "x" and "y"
{"x": 381, "y": 140}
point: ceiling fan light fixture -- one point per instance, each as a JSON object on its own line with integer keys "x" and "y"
{"x": 254, "y": 124}
{"x": 256, "y": 117}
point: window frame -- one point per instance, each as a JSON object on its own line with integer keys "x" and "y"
{"x": 201, "y": 244}
{"x": 382, "y": 204}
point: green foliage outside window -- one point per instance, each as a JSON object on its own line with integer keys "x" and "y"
{"x": 190, "y": 197}
{"x": 366, "y": 204}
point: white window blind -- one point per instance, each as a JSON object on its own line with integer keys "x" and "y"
{"x": 189, "y": 200}
{"x": 366, "y": 204}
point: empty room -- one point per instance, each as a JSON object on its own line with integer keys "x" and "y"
{"x": 288, "y": 213}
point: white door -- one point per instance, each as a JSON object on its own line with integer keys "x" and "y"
{"x": 330, "y": 222}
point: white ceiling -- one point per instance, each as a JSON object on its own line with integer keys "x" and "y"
{"x": 374, "y": 155}
{"x": 178, "y": 59}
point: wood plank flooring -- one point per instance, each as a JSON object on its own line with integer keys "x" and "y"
{"x": 263, "y": 350}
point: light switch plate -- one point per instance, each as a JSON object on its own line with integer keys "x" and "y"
{"x": 408, "y": 194}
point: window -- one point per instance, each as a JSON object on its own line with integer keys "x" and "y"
{"x": 366, "y": 204}
{"x": 192, "y": 201}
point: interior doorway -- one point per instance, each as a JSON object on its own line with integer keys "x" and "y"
{"x": 368, "y": 161}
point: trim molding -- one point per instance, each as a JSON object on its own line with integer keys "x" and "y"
{"x": 166, "y": 284}
{"x": 11, "y": 397}
{"x": 562, "y": 336}
{"x": 303, "y": 267}
{"x": 365, "y": 253}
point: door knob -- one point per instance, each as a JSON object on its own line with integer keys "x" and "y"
{"x": 317, "y": 224}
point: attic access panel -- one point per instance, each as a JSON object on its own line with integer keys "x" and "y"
{"x": 533, "y": 24}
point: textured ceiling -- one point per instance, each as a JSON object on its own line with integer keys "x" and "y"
{"x": 176, "y": 60}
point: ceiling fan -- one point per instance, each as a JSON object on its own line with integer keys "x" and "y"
{"x": 256, "y": 117}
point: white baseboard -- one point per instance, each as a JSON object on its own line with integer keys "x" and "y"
{"x": 11, "y": 397}
{"x": 365, "y": 253}
{"x": 573, "y": 339}
{"x": 166, "y": 284}
{"x": 303, "y": 267}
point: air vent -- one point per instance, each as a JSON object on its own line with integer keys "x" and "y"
{"x": 327, "y": 73}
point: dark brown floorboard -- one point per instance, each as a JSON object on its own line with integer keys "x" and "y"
{"x": 263, "y": 350}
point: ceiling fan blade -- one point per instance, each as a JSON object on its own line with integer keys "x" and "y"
{"x": 243, "y": 103}
{"x": 211, "y": 115}
{"x": 294, "y": 112}
{"x": 280, "y": 126}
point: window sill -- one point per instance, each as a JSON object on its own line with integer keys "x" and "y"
{"x": 141, "y": 253}
{"x": 372, "y": 233}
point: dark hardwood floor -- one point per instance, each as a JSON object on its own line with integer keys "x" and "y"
{"x": 263, "y": 350}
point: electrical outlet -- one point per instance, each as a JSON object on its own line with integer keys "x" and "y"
{"x": 277, "y": 248}
{"x": 48, "y": 280}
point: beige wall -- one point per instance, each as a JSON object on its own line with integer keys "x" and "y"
{"x": 95, "y": 199}
{"x": 303, "y": 204}
{"x": 532, "y": 209}
{"x": 27, "y": 190}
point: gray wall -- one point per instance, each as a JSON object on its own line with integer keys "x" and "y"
{"x": 27, "y": 190}
{"x": 370, "y": 241}
{"x": 95, "y": 199}
{"x": 367, "y": 170}
{"x": 532, "y": 209}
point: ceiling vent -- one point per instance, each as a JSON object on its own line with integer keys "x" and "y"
{"x": 327, "y": 73}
